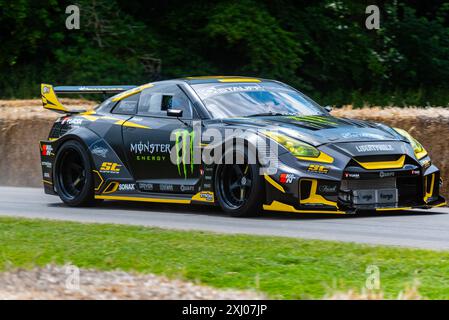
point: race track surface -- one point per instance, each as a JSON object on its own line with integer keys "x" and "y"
{"x": 417, "y": 228}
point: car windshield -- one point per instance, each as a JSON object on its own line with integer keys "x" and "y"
{"x": 226, "y": 100}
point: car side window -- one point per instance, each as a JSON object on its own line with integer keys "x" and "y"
{"x": 155, "y": 101}
{"x": 127, "y": 105}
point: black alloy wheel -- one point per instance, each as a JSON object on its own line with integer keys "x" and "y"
{"x": 73, "y": 175}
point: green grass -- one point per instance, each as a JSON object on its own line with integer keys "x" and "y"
{"x": 280, "y": 267}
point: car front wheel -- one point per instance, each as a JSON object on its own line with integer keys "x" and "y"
{"x": 239, "y": 189}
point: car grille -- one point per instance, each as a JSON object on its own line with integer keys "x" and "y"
{"x": 385, "y": 183}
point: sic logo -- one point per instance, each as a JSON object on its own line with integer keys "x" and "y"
{"x": 318, "y": 169}
{"x": 110, "y": 167}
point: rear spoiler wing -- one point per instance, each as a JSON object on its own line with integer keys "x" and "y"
{"x": 50, "y": 100}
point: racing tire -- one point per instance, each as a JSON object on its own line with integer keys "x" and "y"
{"x": 74, "y": 181}
{"x": 240, "y": 189}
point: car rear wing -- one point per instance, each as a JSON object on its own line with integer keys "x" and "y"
{"x": 50, "y": 100}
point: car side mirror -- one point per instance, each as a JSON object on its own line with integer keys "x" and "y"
{"x": 174, "y": 113}
{"x": 328, "y": 108}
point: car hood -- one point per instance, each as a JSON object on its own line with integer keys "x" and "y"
{"x": 318, "y": 130}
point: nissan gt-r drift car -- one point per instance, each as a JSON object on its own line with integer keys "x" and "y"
{"x": 158, "y": 143}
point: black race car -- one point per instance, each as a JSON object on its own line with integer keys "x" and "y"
{"x": 209, "y": 140}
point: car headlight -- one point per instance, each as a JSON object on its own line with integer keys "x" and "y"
{"x": 299, "y": 149}
{"x": 419, "y": 150}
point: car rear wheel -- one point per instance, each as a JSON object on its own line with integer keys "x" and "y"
{"x": 74, "y": 180}
{"x": 239, "y": 189}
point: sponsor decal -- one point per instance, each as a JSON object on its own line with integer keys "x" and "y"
{"x": 385, "y": 195}
{"x": 426, "y": 163}
{"x": 349, "y": 135}
{"x": 186, "y": 188}
{"x": 46, "y": 89}
{"x": 367, "y": 197}
{"x": 46, "y": 164}
{"x": 182, "y": 139}
{"x": 149, "y": 148}
{"x": 208, "y": 196}
{"x": 415, "y": 172}
{"x": 327, "y": 188}
{"x": 150, "y": 158}
{"x": 351, "y": 175}
{"x": 146, "y": 186}
{"x": 100, "y": 151}
{"x": 46, "y": 175}
{"x": 287, "y": 178}
{"x": 374, "y": 147}
{"x": 47, "y": 150}
{"x": 72, "y": 121}
{"x": 220, "y": 90}
{"x": 110, "y": 167}
{"x": 316, "y": 168}
{"x": 207, "y": 186}
{"x": 150, "y": 151}
{"x": 166, "y": 187}
{"x": 127, "y": 187}
{"x": 383, "y": 174}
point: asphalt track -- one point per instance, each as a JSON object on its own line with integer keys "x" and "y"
{"x": 416, "y": 228}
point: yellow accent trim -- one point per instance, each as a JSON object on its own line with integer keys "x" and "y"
{"x": 393, "y": 209}
{"x": 239, "y": 80}
{"x": 315, "y": 198}
{"x": 131, "y": 124}
{"x": 205, "y": 77}
{"x": 396, "y": 164}
{"x": 428, "y": 195}
{"x": 47, "y": 182}
{"x": 90, "y": 117}
{"x": 88, "y": 113}
{"x": 421, "y": 154}
{"x": 186, "y": 201}
{"x": 130, "y": 92}
{"x": 440, "y": 205}
{"x": 102, "y": 180}
{"x": 323, "y": 157}
{"x": 50, "y": 100}
{"x": 274, "y": 183}
{"x": 197, "y": 197}
{"x": 52, "y": 139}
{"x": 279, "y": 206}
{"x": 114, "y": 189}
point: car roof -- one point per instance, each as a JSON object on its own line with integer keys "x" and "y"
{"x": 192, "y": 81}
{"x": 220, "y": 79}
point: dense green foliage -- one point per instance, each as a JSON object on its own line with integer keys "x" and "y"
{"x": 321, "y": 47}
{"x": 280, "y": 267}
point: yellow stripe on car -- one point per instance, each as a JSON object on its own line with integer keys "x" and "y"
{"x": 376, "y": 165}
{"x": 279, "y": 206}
{"x": 274, "y": 183}
{"x": 141, "y": 199}
{"x": 239, "y": 80}
{"x": 131, "y": 92}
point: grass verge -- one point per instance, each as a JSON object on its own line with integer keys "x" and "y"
{"x": 280, "y": 267}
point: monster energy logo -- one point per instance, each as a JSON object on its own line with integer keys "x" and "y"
{"x": 184, "y": 140}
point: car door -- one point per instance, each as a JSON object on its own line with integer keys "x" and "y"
{"x": 147, "y": 142}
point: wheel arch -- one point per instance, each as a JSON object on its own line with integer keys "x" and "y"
{"x": 82, "y": 135}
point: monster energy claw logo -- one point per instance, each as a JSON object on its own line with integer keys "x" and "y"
{"x": 184, "y": 140}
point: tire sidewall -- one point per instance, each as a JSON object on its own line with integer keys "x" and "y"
{"x": 86, "y": 197}
{"x": 252, "y": 206}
